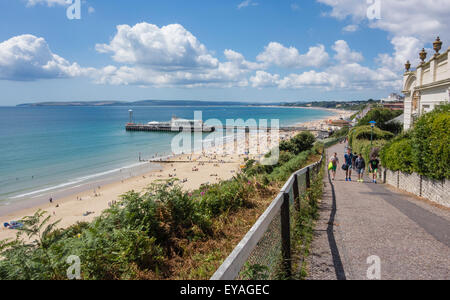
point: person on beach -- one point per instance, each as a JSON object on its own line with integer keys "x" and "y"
{"x": 360, "y": 165}
{"x": 334, "y": 160}
{"x": 348, "y": 157}
{"x": 374, "y": 164}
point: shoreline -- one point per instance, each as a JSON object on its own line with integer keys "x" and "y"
{"x": 71, "y": 206}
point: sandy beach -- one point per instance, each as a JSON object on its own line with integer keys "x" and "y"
{"x": 192, "y": 170}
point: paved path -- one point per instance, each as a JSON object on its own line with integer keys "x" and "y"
{"x": 359, "y": 220}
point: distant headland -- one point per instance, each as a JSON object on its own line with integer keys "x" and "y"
{"x": 139, "y": 103}
{"x": 352, "y": 105}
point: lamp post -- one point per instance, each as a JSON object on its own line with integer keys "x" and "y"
{"x": 372, "y": 125}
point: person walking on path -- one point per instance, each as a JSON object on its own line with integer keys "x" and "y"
{"x": 374, "y": 164}
{"x": 360, "y": 165}
{"x": 355, "y": 156}
{"x": 348, "y": 157}
{"x": 334, "y": 162}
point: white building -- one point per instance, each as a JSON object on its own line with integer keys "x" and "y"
{"x": 427, "y": 86}
{"x": 394, "y": 97}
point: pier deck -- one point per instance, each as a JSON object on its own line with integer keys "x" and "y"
{"x": 146, "y": 127}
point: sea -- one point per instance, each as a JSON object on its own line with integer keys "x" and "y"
{"x": 51, "y": 151}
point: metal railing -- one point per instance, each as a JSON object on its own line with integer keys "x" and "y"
{"x": 265, "y": 251}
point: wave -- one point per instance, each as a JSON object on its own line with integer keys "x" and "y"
{"x": 76, "y": 181}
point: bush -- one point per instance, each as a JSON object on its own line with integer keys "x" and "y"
{"x": 431, "y": 143}
{"x": 225, "y": 197}
{"x": 397, "y": 154}
{"x": 301, "y": 142}
{"x": 365, "y": 133}
{"x": 340, "y": 133}
{"x": 382, "y": 116}
{"x": 425, "y": 149}
{"x": 283, "y": 172}
{"x": 359, "y": 140}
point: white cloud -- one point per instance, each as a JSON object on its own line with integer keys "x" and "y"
{"x": 170, "y": 47}
{"x": 344, "y": 54}
{"x": 264, "y": 79}
{"x": 345, "y": 74}
{"x": 27, "y": 57}
{"x": 405, "y": 48}
{"x": 239, "y": 60}
{"x": 169, "y": 56}
{"x": 413, "y": 22}
{"x": 48, "y": 2}
{"x": 172, "y": 56}
{"x": 279, "y": 55}
{"x": 350, "y": 76}
{"x": 247, "y": 3}
{"x": 350, "y": 28}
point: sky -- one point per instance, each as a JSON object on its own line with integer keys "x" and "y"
{"x": 224, "y": 50}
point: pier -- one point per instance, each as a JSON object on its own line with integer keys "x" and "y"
{"x": 168, "y": 128}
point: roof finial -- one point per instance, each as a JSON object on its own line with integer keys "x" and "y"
{"x": 423, "y": 55}
{"x": 437, "y": 45}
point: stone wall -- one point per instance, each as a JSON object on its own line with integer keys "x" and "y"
{"x": 437, "y": 191}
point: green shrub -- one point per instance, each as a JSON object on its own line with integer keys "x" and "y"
{"x": 299, "y": 143}
{"x": 425, "y": 149}
{"x": 359, "y": 140}
{"x": 226, "y": 196}
{"x": 340, "y": 133}
{"x": 283, "y": 172}
{"x": 397, "y": 154}
{"x": 382, "y": 116}
{"x": 365, "y": 133}
{"x": 431, "y": 143}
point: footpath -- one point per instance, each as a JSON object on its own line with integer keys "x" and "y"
{"x": 376, "y": 229}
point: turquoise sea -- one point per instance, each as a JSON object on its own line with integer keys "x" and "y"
{"x": 46, "y": 150}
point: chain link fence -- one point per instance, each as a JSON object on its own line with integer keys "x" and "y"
{"x": 265, "y": 251}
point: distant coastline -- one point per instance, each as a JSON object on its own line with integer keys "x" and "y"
{"x": 347, "y": 105}
{"x": 140, "y": 103}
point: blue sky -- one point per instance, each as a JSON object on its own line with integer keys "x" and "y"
{"x": 261, "y": 50}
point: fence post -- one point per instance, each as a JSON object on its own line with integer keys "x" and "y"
{"x": 308, "y": 178}
{"x": 296, "y": 193}
{"x": 421, "y": 184}
{"x": 286, "y": 235}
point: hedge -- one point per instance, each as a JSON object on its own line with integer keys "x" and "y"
{"x": 425, "y": 149}
{"x": 365, "y": 133}
{"x": 397, "y": 154}
{"x": 431, "y": 143}
{"x": 359, "y": 140}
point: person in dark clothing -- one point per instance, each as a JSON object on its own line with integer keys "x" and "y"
{"x": 374, "y": 164}
{"x": 348, "y": 157}
{"x": 354, "y": 157}
{"x": 360, "y": 165}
